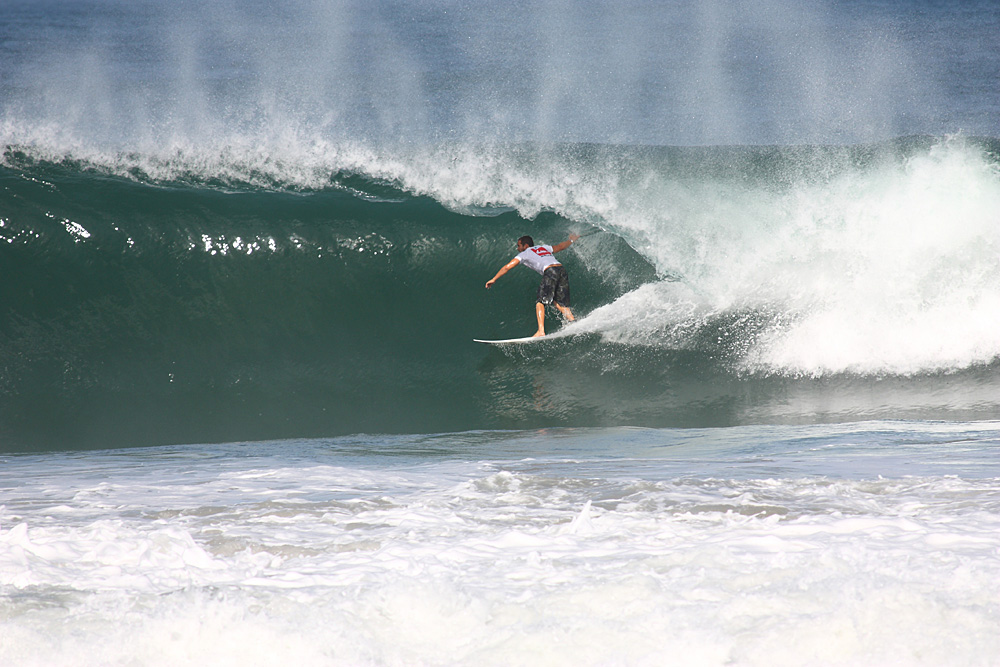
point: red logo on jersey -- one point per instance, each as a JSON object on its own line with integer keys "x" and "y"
{"x": 541, "y": 252}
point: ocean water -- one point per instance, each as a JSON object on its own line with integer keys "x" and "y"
{"x": 242, "y": 418}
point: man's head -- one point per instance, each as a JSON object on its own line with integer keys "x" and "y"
{"x": 524, "y": 243}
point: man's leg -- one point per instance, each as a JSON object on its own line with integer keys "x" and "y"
{"x": 561, "y": 296}
{"x": 567, "y": 313}
{"x": 540, "y": 315}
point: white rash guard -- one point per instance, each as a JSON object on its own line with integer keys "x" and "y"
{"x": 539, "y": 258}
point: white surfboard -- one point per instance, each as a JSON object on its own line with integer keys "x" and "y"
{"x": 529, "y": 339}
{"x": 562, "y": 333}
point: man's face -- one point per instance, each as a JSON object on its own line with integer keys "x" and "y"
{"x": 521, "y": 247}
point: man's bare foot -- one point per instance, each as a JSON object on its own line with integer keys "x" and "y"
{"x": 538, "y": 334}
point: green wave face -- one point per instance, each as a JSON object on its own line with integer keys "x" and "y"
{"x": 715, "y": 287}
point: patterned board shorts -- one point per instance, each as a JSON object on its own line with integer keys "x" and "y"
{"x": 554, "y": 287}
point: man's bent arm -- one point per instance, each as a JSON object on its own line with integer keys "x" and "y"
{"x": 507, "y": 267}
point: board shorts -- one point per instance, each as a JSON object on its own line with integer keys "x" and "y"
{"x": 554, "y": 287}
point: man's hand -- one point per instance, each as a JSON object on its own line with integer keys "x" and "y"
{"x": 510, "y": 265}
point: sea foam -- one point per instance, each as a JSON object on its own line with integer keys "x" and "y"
{"x": 227, "y": 552}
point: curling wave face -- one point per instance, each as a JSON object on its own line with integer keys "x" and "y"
{"x": 220, "y": 294}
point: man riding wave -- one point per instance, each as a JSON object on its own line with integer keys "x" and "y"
{"x": 554, "y": 289}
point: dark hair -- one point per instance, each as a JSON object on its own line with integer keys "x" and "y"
{"x": 526, "y": 240}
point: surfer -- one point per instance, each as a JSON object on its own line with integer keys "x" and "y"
{"x": 554, "y": 289}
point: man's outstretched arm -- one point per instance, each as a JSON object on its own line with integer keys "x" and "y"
{"x": 507, "y": 267}
{"x": 565, "y": 244}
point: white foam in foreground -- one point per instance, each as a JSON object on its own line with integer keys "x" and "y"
{"x": 168, "y": 558}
